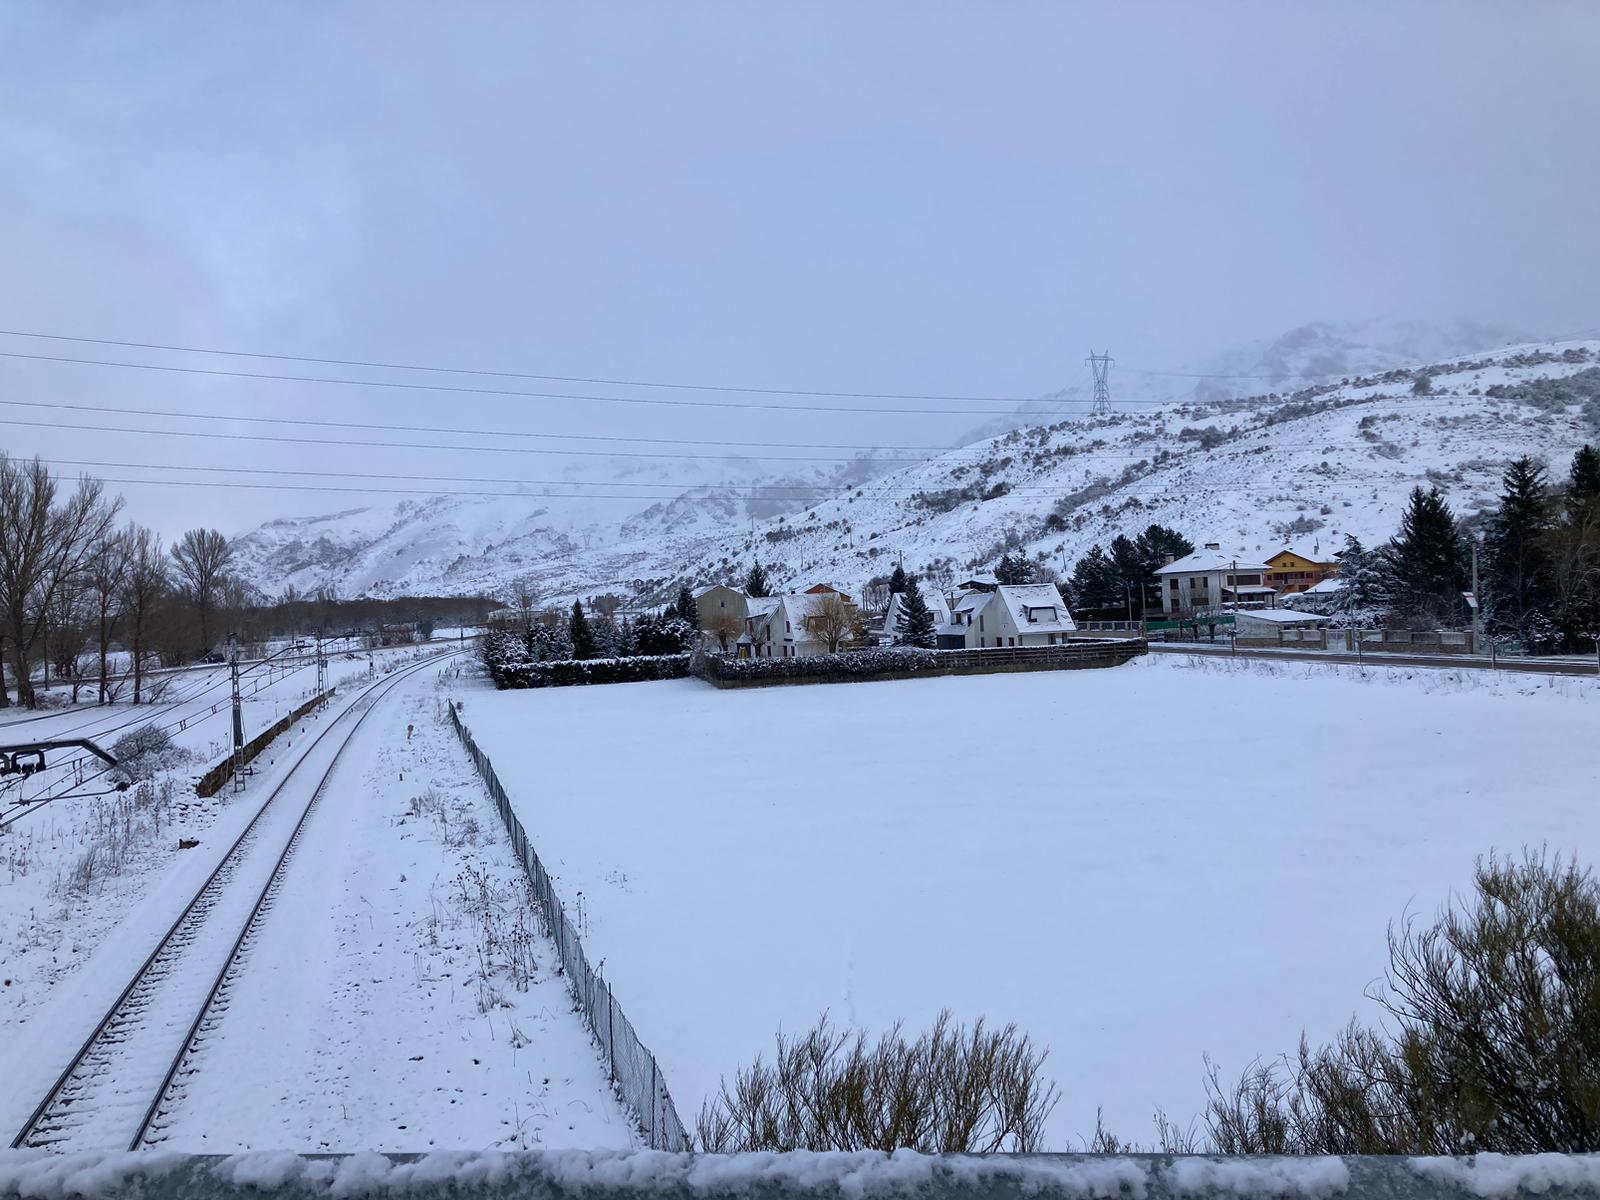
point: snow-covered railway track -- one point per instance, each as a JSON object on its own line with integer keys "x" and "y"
{"x": 124, "y": 1078}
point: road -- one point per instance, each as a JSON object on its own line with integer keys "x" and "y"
{"x": 1450, "y": 662}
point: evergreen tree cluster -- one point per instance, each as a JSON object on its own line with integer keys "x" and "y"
{"x": 917, "y": 626}
{"x": 1106, "y": 581}
{"x": 1539, "y": 564}
{"x": 1010, "y": 570}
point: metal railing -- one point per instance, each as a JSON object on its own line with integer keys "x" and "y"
{"x": 634, "y": 1071}
{"x": 615, "y": 1175}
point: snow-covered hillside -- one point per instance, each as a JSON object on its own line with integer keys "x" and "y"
{"x": 1310, "y": 463}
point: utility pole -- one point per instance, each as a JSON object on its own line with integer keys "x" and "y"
{"x": 1101, "y": 363}
{"x": 322, "y": 669}
{"x": 1477, "y": 604}
{"x": 238, "y": 713}
{"x": 1233, "y": 627}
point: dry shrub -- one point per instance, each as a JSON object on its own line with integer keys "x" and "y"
{"x": 951, "y": 1090}
{"x": 1497, "y": 1043}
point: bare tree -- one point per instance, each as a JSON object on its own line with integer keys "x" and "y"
{"x": 145, "y": 582}
{"x": 724, "y": 625}
{"x": 43, "y": 545}
{"x": 202, "y": 557}
{"x": 833, "y": 621}
{"x": 107, "y": 577}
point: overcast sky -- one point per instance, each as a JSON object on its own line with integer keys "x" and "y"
{"x": 900, "y": 198}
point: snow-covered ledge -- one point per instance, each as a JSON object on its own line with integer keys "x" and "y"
{"x": 156, "y": 1175}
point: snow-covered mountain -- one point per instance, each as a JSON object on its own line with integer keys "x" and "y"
{"x": 1251, "y": 466}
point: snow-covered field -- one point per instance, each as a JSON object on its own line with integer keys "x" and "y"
{"x": 1137, "y": 866}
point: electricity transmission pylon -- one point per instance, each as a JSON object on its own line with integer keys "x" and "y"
{"x": 1102, "y": 387}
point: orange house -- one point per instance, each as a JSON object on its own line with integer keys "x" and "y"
{"x": 1295, "y": 569}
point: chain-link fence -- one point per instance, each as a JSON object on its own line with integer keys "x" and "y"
{"x": 633, "y": 1068}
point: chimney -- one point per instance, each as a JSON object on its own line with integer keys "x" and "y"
{"x": 1171, "y": 558}
{"x": 1213, "y": 545}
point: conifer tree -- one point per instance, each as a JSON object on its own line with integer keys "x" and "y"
{"x": 1586, "y": 475}
{"x": 916, "y": 621}
{"x": 1013, "y": 570}
{"x": 897, "y": 581}
{"x": 686, "y": 607}
{"x": 1428, "y": 560}
{"x": 1095, "y": 583}
{"x": 583, "y": 643}
{"x": 1517, "y": 581}
{"x": 755, "y": 583}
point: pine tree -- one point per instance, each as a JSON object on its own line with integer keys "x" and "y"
{"x": 1586, "y": 475}
{"x": 583, "y": 643}
{"x": 1368, "y": 582}
{"x": 1013, "y": 570}
{"x": 1428, "y": 560}
{"x": 898, "y": 582}
{"x": 1517, "y": 581}
{"x": 1095, "y": 583}
{"x": 686, "y": 607}
{"x": 916, "y": 621}
{"x": 755, "y": 583}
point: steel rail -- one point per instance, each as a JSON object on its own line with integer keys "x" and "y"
{"x": 205, "y": 896}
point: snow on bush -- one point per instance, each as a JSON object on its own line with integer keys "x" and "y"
{"x": 851, "y": 664}
{"x": 509, "y": 666}
{"x": 144, "y": 751}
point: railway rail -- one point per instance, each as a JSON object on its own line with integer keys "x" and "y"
{"x": 124, "y": 1080}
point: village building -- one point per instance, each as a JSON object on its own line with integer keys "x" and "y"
{"x": 1029, "y": 614}
{"x": 1213, "y": 579}
{"x": 894, "y": 616}
{"x": 1297, "y": 569}
{"x": 787, "y": 626}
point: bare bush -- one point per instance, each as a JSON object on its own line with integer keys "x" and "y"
{"x": 1498, "y": 1013}
{"x": 952, "y": 1090}
{"x": 144, "y": 751}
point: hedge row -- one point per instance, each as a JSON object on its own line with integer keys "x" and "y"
{"x": 573, "y": 672}
{"x": 852, "y": 664}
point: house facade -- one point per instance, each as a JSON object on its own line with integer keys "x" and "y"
{"x": 1011, "y": 615}
{"x": 1296, "y": 569}
{"x": 894, "y": 616}
{"x": 786, "y": 626}
{"x": 1212, "y": 579}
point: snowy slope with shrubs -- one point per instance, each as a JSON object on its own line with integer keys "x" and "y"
{"x": 1252, "y": 471}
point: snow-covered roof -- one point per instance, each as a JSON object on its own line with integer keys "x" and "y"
{"x": 931, "y": 597}
{"x": 713, "y": 587}
{"x": 1310, "y": 554}
{"x": 762, "y": 606}
{"x": 1281, "y": 616}
{"x": 1020, "y": 598}
{"x": 1324, "y": 587}
{"x": 972, "y": 602}
{"x": 1204, "y": 560}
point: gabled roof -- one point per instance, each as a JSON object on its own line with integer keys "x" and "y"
{"x": 711, "y": 587}
{"x": 1019, "y": 598}
{"x": 972, "y": 602}
{"x": 1202, "y": 561}
{"x": 930, "y": 596}
{"x": 1321, "y": 558}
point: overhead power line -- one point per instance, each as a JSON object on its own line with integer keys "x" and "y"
{"x": 191, "y": 415}
{"x": 481, "y": 371}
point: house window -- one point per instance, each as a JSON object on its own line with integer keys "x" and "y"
{"x": 787, "y": 628}
{"x": 1013, "y": 641}
{"x": 980, "y": 624}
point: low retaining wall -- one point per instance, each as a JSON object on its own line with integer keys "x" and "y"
{"x": 643, "y": 1175}
{"x": 871, "y": 665}
{"x": 211, "y": 782}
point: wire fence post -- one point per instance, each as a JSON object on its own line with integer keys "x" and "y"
{"x": 611, "y": 1030}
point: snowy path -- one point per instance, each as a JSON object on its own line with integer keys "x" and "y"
{"x": 109, "y": 1090}
{"x": 373, "y": 1010}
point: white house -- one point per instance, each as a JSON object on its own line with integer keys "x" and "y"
{"x": 1212, "y": 578}
{"x": 937, "y": 605}
{"x": 1029, "y": 614}
{"x": 785, "y": 626}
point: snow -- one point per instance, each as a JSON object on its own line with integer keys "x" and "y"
{"x": 1499, "y": 1175}
{"x": 1280, "y": 616}
{"x": 1131, "y": 864}
{"x": 391, "y": 1021}
{"x": 1311, "y": 1178}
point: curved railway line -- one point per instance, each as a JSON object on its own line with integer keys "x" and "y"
{"x": 131, "y": 1070}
